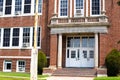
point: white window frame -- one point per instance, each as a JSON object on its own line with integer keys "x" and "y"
{"x": 60, "y": 8}
{"x": 75, "y": 9}
{"x": 22, "y": 11}
{"x": 18, "y": 66}
{"x": 4, "y": 65}
{"x": 20, "y": 38}
{"x": 91, "y": 8}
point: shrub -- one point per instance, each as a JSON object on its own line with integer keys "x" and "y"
{"x": 42, "y": 61}
{"x": 113, "y": 63}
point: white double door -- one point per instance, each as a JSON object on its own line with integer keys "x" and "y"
{"x": 80, "y": 57}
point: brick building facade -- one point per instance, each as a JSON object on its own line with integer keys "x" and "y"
{"x": 72, "y": 33}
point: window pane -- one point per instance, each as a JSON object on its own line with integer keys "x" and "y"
{"x": 70, "y": 42}
{"x": 91, "y": 42}
{"x": 26, "y": 36}
{"x": 18, "y": 6}
{"x": 15, "y": 40}
{"x": 21, "y": 66}
{"x": 95, "y": 7}
{"x": 76, "y": 42}
{"x": 63, "y": 7}
{"x": 84, "y": 41}
{"x": 6, "y": 38}
{"x": 79, "y": 4}
{"x": 1, "y": 5}
{"x": 38, "y": 37}
{"x": 27, "y": 6}
{"x": 8, "y": 6}
{"x": 39, "y": 6}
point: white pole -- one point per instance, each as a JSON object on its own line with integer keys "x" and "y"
{"x": 34, "y": 52}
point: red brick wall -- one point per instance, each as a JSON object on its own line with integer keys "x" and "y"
{"x": 53, "y": 50}
{"x": 109, "y": 41}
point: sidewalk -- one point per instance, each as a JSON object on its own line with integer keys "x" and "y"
{"x": 69, "y": 78}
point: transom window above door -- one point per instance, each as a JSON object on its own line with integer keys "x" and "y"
{"x": 83, "y": 41}
{"x": 19, "y": 7}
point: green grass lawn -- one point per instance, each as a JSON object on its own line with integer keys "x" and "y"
{"x": 19, "y": 76}
{"x": 107, "y": 78}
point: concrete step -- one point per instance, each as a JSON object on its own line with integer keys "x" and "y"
{"x": 76, "y": 72}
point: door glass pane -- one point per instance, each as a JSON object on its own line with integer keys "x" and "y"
{"x": 76, "y": 42}
{"x": 84, "y": 41}
{"x": 68, "y": 53}
{"x": 73, "y": 54}
{"x": 78, "y": 55}
{"x": 85, "y": 54}
{"x": 91, "y": 54}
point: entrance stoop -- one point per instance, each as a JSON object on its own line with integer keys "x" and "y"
{"x": 75, "y": 72}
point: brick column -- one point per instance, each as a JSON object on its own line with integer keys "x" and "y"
{"x": 53, "y": 51}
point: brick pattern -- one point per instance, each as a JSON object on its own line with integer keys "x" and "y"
{"x": 108, "y": 41}
{"x": 53, "y": 50}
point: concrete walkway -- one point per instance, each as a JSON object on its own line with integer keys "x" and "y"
{"x": 69, "y": 78}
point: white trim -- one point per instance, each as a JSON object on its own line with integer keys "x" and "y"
{"x": 91, "y": 8}
{"x": 103, "y": 5}
{"x": 20, "y": 57}
{"x": 71, "y": 8}
{"x": 59, "y": 10}
{"x": 100, "y": 29}
{"x": 55, "y": 6}
{"x": 86, "y": 8}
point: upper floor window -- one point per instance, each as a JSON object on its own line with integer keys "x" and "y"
{"x": 19, "y": 7}
{"x": 39, "y": 6}
{"x": 27, "y": 6}
{"x": 79, "y": 7}
{"x": 95, "y": 7}
{"x": 63, "y": 7}
{"x": 8, "y": 6}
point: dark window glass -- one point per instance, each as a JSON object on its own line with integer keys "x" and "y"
{"x": 6, "y": 38}
{"x": 8, "y": 6}
{"x": 15, "y": 40}
{"x": 63, "y": 7}
{"x": 95, "y": 7}
{"x": 27, "y": 6}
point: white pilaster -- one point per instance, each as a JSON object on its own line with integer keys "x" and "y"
{"x": 55, "y": 6}
{"x": 86, "y": 8}
{"x": 103, "y": 5}
{"x": 70, "y": 8}
{"x": 96, "y": 50}
{"x": 60, "y": 51}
